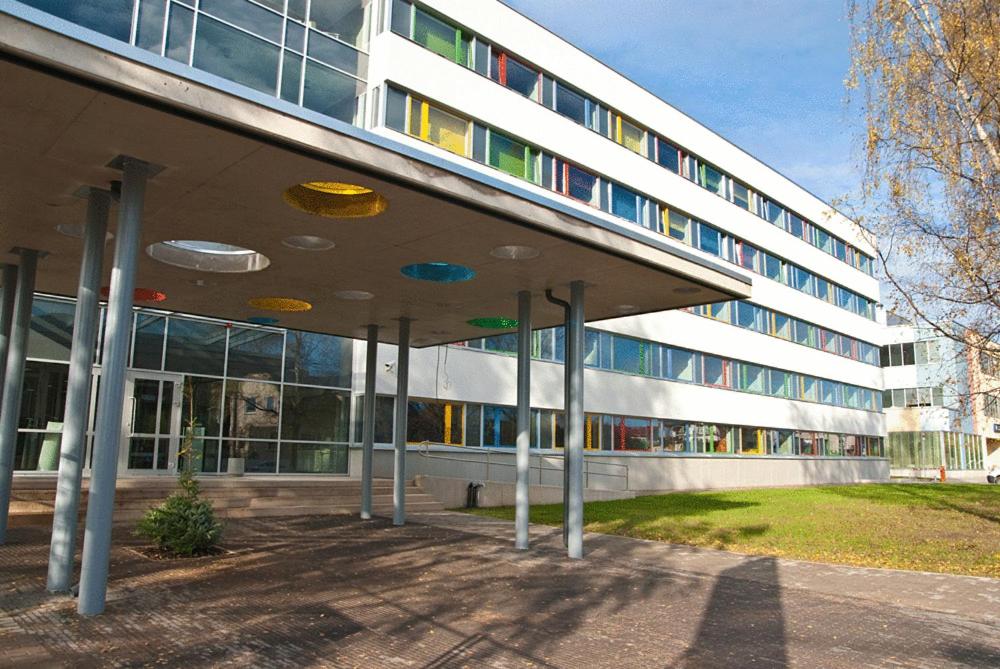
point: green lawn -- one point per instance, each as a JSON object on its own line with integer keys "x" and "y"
{"x": 951, "y": 528}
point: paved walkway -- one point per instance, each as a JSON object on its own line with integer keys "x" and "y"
{"x": 448, "y": 590}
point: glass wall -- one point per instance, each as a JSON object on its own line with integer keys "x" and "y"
{"x": 495, "y": 426}
{"x": 468, "y": 50}
{"x": 312, "y": 54}
{"x": 929, "y": 450}
{"x": 278, "y": 398}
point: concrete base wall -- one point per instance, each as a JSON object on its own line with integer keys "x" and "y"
{"x": 638, "y": 472}
{"x": 452, "y": 492}
{"x": 974, "y": 475}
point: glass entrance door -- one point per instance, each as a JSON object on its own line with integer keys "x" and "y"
{"x": 151, "y": 423}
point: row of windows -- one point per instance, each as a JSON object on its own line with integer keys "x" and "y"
{"x": 309, "y": 53}
{"x": 411, "y": 115}
{"x": 991, "y": 405}
{"x": 774, "y": 323}
{"x": 614, "y": 352}
{"x": 924, "y": 396}
{"x": 486, "y": 425}
{"x": 910, "y": 353}
{"x": 469, "y": 51}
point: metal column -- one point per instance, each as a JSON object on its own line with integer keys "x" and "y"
{"x": 107, "y": 432}
{"x": 10, "y": 407}
{"x": 6, "y": 316}
{"x": 575, "y": 421}
{"x": 62, "y": 548}
{"x": 523, "y": 458}
{"x": 399, "y": 438}
{"x": 368, "y": 423}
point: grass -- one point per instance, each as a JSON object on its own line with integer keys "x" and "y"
{"x": 952, "y": 529}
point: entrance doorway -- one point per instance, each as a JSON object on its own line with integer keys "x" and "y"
{"x": 151, "y": 423}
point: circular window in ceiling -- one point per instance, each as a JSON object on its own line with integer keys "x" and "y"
{"x": 438, "y": 272}
{"x": 333, "y": 199}
{"x": 207, "y": 256}
{"x": 281, "y": 304}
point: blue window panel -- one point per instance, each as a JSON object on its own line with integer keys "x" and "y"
{"x": 109, "y": 17}
{"x": 624, "y": 203}
{"x": 234, "y": 55}
{"x": 709, "y": 240}
{"x": 246, "y": 15}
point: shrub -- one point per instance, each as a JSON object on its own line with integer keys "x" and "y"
{"x": 183, "y": 525}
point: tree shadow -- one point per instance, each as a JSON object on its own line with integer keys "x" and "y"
{"x": 966, "y": 499}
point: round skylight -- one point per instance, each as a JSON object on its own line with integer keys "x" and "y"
{"x": 205, "y": 256}
{"x": 308, "y": 243}
{"x": 334, "y": 199}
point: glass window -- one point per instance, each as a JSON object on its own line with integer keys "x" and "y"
{"x": 633, "y": 434}
{"x": 682, "y": 365}
{"x": 709, "y": 240}
{"x": 291, "y": 80}
{"x": 246, "y": 15}
{"x": 337, "y": 54}
{"x": 713, "y": 180}
{"x": 776, "y": 214}
{"x": 347, "y": 20}
{"x": 630, "y": 136}
{"x": 201, "y": 406}
{"x": 631, "y": 356}
{"x": 810, "y": 389}
{"x": 149, "y": 28}
{"x": 716, "y": 371}
{"x": 520, "y": 78}
{"x": 50, "y": 336}
{"x": 746, "y": 315}
{"x": 508, "y": 155}
{"x": 895, "y": 355}
{"x": 195, "y": 347}
{"x": 436, "y": 35}
{"x": 581, "y": 185}
{"x": 741, "y": 195}
{"x": 443, "y": 129}
{"x": 315, "y": 414}
{"x": 678, "y": 225}
{"x": 236, "y": 56}
{"x": 110, "y": 17}
{"x": 312, "y": 458}
{"x": 829, "y": 392}
{"x": 782, "y": 326}
{"x": 908, "y": 357}
{"x": 435, "y": 422}
{"x": 43, "y": 397}
{"x": 401, "y": 17}
{"x": 624, "y": 203}
{"x": 251, "y": 410}
{"x": 937, "y": 398}
{"x": 330, "y": 92}
{"x": 255, "y": 354}
{"x": 571, "y": 104}
{"x": 772, "y": 266}
{"x": 148, "y": 346}
{"x": 751, "y": 378}
{"x": 779, "y": 386}
{"x": 668, "y": 156}
{"x": 500, "y": 427}
{"x": 795, "y": 225}
{"x": 318, "y": 359}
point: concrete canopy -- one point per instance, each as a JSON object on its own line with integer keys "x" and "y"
{"x": 69, "y": 108}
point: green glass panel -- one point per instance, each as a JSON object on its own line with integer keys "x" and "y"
{"x": 507, "y": 155}
{"x": 435, "y": 35}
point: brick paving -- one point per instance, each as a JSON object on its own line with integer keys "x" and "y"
{"x": 450, "y": 591}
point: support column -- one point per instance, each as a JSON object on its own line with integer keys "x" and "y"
{"x": 575, "y": 421}
{"x": 9, "y": 277}
{"x": 368, "y": 423}
{"x": 110, "y": 399}
{"x": 523, "y": 458}
{"x": 73, "y": 449}
{"x": 399, "y": 438}
{"x": 10, "y": 406}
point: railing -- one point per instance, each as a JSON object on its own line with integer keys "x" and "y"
{"x": 619, "y": 471}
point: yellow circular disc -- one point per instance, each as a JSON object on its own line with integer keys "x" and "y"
{"x": 335, "y": 200}
{"x": 285, "y": 304}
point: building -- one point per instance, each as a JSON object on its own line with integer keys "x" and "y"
{"x": 940, "y": 402}
{"x": 779, "y": 387}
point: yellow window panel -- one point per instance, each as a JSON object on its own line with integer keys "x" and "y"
{"x": 447, "y": 131}
{"x": 447, "y": 423}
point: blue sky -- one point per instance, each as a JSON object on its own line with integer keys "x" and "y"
{"x": 766, "y": 74}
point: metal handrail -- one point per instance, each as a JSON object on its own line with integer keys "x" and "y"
{"x": 423, "y": 449}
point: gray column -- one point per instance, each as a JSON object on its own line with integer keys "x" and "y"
{"x": 107, "y": 431}
{"x": 6, "y": 316}
{"x": 575, "y": 421}
{"x": 10, "y": 407}
{"x": 73, "y": 449}
{"x": 399, "y": 438}
{"x": 567, "y": 401}
{"x": 522, "y": 508}
{"x": 368, "y": 423}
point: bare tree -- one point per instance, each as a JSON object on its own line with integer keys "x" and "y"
{"x": 929, "y": 71}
